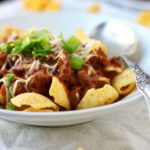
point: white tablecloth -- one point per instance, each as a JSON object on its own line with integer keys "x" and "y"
{"x": 125, "y": 129}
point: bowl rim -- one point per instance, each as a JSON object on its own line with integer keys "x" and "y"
{"x": 137, "y": 95}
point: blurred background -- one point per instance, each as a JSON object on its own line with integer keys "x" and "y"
{"x": 134, "y": 10}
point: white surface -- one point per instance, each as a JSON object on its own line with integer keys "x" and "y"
{"x": 14, "y": 7}
{"x": 57, "y": 24}
{"x": 135, "y": 4}
{"x": 125, "y": 129}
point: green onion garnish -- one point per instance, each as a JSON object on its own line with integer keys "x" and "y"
{"x": 10, "y": 106}
{"x": 72, "y": 44}
{"x": 76, "y": 63}
{"x": 35, "y": 44}
{"x": 61, "y": 37}
{"x": 43, "y": 33}
{"x": 5, "y": 48}
{"x": 10, "y": 92}
{"x": 10, "y": 77}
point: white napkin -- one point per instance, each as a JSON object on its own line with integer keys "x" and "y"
{"x": 126, "y": 128}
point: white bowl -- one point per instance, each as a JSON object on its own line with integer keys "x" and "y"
{"x": 67, "y": 23}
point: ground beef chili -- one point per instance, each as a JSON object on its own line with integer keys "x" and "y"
{"x": 2, "y": 59}
{"x": 116, "y": 62}
{"x": 39, "y": 76}
{"x": 39, "y": 83}
{"x": 64, "y": 71}
{"x": 3, "y": 72}
{"x": 20, "y": 88}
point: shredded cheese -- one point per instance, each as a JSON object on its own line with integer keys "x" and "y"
{"x": 35, "y": 65}
{"x": 18, "y": 60}
{"x": 89, "y": 71}
{"x": 49, "y": 68}
{"x": 56, "y": 43}
{"x": 77, "y": 95}
{"x": 27, "y": 81}
{"x": 16, "y": 83}
{"x": 83, "y": 50}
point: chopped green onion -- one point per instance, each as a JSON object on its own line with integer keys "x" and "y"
{"x": 76, "y": 63}
{"x": 35, "y": 44}
{"x": 10, "y": 77}
{"x": 5, "y": 48}
{"x": 72, "y": 44}
{"x": 61, "y": 37}
{"x": 10, "y": 92}
{"x": 43, "y": 33}
{"x": 10, "y": 106}
{"x": 16, "y": 47}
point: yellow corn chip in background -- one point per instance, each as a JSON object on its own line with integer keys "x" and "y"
{"x": 53, "y": 6}
{"x": 94, "y": 8}
{"x": 42, "y": 5}
{"x": 144, "y": 18}
{"x": 10, "y": 32}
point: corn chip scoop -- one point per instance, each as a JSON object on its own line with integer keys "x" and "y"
{"x": 59, "y": 92}
{"x": 113, "y": 69}
{"x": 35, "y": 101}
{"x": 9, "y": 33}
{"x": 30, "y": 109}
{"x": 98, "y": 97}
{"x": 124, "y": 83}
{"x": 104, "y": 79}
{"x": 81, "y": 35}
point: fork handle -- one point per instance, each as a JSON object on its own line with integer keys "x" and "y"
{"x": 146, "y": 94}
